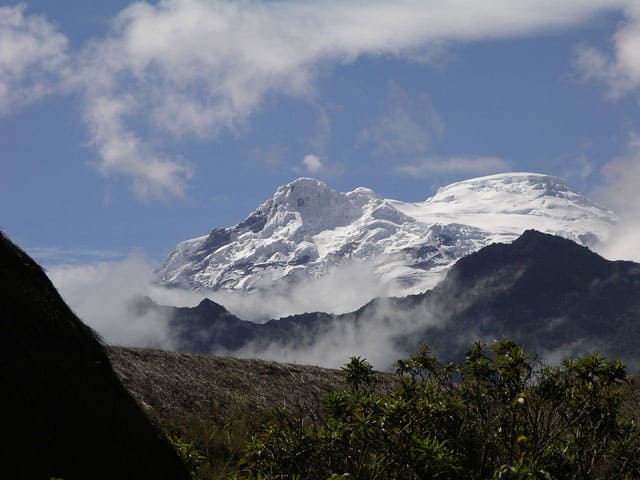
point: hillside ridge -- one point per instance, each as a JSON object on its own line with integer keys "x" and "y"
{"x": 174, "y": 385}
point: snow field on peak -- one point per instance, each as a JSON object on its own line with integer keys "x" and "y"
{"x": 505, "y": 205}
{"x": 308, "y": 229}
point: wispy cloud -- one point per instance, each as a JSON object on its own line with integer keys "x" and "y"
{"x": 33, "y": 56}
{"x": 620, "y": 192}
{"x": 312, "y": 163}
{"x": 58, "y": 256}
{"x": 196, "y": 68}
{"x": 454, "y": 165}
{"x": 620, "y": 68}
{"x": 103, "y": 295}
{"x": 123, "y": 152}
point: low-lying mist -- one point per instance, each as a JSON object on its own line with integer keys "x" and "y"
{"x": 379, "y": 338}
{"x": 101, "y": 294}
{"x": 344, "y": 288}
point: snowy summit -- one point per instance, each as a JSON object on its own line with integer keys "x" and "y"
{"x": 307, "y": 228}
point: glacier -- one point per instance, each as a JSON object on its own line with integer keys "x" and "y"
{"x": 307, "y": 229}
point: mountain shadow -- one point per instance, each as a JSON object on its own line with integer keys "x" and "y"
{"x": 64, "y": 412}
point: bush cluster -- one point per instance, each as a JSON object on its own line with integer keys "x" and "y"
{"x": 494, "y": 415}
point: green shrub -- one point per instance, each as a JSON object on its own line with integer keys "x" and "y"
{"x": 218, "y": 448}
{"x": 189, "y": 454}
{"x": 358, "y": 373}
{"x": 491, "y": 416}
{"x": 494, "y": 415}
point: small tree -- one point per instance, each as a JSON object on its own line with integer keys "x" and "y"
{"x": 358, "y": 373}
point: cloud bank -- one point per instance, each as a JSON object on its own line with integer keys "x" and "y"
{"x": 33, "y": 56}
{"x": 376, "y": 339}
{"x": 196, "y": 68}
{"x": 620, "y": 68}
{"x": 101, "y": 295}
{"x": 620, "y": 193}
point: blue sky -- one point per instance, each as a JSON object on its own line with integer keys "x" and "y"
{"x": 133, "y": 126}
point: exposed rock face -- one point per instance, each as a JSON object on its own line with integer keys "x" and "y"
{"x": 64, "y": 412}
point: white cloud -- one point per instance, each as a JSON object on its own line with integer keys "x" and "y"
{"x": 32, "y": 57}
{"x": 620, "y": 70}
{"x": 312, "y": 163}
{"x": 455, "y": 165}
{"x": 196, "y": 68}
{"x": 375, "y": 339}
{"x": 102, "y": 294}
{"x": 123, "y": 152}
{"x": 332, "y": 292}
{"x": 577, "y": 167}
{"x": 620, "y": 192}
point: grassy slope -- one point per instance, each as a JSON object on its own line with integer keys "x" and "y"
{"x": 173, "y": 385}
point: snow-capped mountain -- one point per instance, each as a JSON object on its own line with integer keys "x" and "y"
{"x": 307, "y": 229}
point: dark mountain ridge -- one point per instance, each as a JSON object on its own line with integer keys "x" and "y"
{"x": 549, "y": 293}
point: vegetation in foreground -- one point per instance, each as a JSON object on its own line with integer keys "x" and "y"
{"x": 494, "y": 415}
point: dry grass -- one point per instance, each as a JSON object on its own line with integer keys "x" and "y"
{"x": 175, "y": 385}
